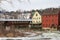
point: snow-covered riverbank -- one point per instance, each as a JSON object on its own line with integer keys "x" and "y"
{"x": 43, "y": 36}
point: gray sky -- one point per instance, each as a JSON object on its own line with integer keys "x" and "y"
{"x": 33, "y": 4}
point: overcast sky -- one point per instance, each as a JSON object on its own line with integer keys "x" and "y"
{"x": 29, "y": 5}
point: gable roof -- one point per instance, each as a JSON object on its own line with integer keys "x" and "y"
{"x": 34, "y": 13}
{"x": 50, "y": 11}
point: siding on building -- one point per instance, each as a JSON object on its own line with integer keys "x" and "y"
{"x": 36, "y": 19}
{"x": 50, "y": 18}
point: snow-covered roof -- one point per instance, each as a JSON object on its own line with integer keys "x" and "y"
{"x": 15, "y": 19}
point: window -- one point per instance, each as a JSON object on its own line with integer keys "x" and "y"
{"x": 39, "y": 21}
{"x": 46, "y": 15}
{"x": 33, "y": 21}
{"x": 36, "y": 14}
{"x": 33, "y": 18}
{"x": 52, "y": 20}
{"x": 49, "y": 24}
{"x": 46, "y": 19}
{"x": 39, "y": 18}
{"x": 36, "y": 21}
{"x": 49, "y": 15}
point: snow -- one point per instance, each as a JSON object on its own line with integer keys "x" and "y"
{"x": 53, "y": 36}
{"x": 33, "y": 36}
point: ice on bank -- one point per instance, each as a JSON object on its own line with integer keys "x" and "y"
{"x": 44, "y": 36}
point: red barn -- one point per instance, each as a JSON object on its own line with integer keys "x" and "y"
{"x": 50, "y": 18}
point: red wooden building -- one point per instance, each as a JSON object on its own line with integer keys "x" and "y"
{"x": 50, "y": 18}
